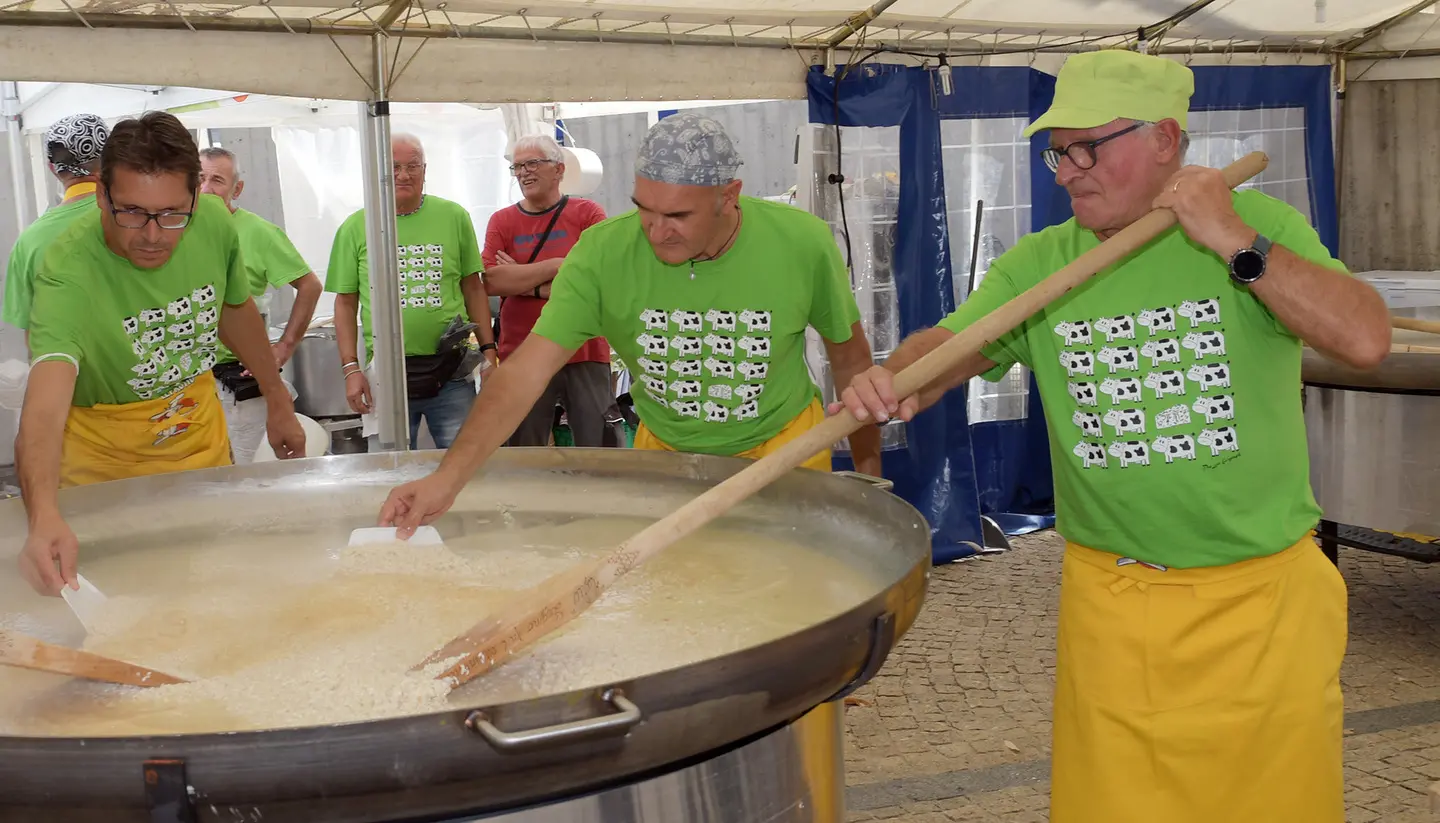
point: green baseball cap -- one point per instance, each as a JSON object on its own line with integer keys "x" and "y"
{"x": 1097, "y": 87}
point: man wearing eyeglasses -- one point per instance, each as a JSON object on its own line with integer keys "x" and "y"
{"x": 440, "y": 280}
{"x": 131, "y": 304}
{"x": 1201, "y": 630}
{"x": 524, "y": 247}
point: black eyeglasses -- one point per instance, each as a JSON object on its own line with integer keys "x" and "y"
{"x": 528, "y": 165}
{"x": 137, "y": 219}
{"x": 1081, "y": 153}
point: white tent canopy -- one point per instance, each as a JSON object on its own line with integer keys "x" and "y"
{"x": 500, "y": 51}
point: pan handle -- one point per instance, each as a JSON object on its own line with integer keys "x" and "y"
{"x": 627, "y": 717}
{"x": 878, "y": 482}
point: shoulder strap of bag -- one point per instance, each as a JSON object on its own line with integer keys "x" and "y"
{"x": 554, "y": 218}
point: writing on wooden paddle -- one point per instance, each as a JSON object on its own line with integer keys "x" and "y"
{"x": 550, "y": 605}
{"x": 27, "y": 652}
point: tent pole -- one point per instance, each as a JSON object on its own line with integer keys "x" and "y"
{"x": 388, "y": 391}
{"x": 15, "y": 144}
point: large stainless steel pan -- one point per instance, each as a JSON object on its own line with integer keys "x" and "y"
{"x": 1375, "y": 438}
{"x": 462, "y": 761}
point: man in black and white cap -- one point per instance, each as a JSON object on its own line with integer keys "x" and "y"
{"x": 706, "y": 295}
{"x": 72, "y": 151}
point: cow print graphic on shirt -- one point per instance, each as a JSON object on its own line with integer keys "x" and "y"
{"x": 1195, "y": 427}
{"x": 720, "y": 356}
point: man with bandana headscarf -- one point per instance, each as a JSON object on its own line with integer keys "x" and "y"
{"x": 706, "y": 295}
{"x": 72, "y": 153}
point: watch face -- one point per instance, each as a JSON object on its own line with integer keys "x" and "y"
{"x": 1247, "y": 266}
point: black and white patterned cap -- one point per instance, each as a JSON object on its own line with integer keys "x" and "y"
{"x": 84, "y": 135}
{"x": 688, "y": 149}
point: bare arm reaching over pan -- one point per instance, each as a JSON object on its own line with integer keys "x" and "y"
{"x": 48, "y": 559}
{"x": 505, "y": 398}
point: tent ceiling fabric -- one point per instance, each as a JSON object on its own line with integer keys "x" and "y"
{"x": 801, "y": 22}
{"x": 513, "y": 51}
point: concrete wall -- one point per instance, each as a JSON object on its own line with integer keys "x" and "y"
{"x": 764, "y": 132}
{"x": 1390, "y": 176}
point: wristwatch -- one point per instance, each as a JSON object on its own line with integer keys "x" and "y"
{"x": 488, "y": 346}
{"x": 1248, "y": 264}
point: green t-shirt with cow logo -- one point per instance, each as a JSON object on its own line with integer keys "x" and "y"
{"x": 437, "y": 247}
{"x": 136, "y": 334}
{"x": 718, "y": 357}
{"x": 1171, "y": 394}
{"x": 270, "y": 260}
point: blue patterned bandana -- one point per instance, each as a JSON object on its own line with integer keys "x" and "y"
{"x": 688, "y": 149}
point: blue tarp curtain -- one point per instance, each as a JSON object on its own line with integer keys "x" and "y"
{"x": 952, "y": 471}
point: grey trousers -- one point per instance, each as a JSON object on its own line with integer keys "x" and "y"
{"x": 583, "y": 389}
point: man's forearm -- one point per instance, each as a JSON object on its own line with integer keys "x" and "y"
{"x": 244, "y": 332}
{"x": 848, "y": 360}
{"x": 922, "y": 343}
{"x": 477, "y": 306}
{"x": 1338, "y": 315}
{"x": 40, "y": 444}
{"x": 506, "y": 396}
{"x": 307, "y": 296}
{"x": 514, "y": 279}
{"x": 346, "y": 329}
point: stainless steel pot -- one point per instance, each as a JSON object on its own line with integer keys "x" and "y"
{"x": 314, "y": 371}
{"x": 573, "y": 748}
{"x": 1374, "y": 438}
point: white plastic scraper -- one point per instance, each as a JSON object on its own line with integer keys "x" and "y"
{"x": 87, "y": 602}
{"x": 424, "y": 536}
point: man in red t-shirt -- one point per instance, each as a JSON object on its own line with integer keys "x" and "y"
{"x": 521, "y": 276}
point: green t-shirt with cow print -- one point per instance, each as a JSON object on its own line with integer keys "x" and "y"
{"x": 437, "y": 248}
{"x": 1172, "y": 395}
{"x": 136, "y": 334}
{"x": 717, "y": 348}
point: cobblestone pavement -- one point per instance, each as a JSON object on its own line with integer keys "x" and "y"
{"x": 957, "y": 726}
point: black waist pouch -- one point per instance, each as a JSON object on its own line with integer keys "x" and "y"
{"x": 229, "y": 375}
{"x": 427, "y": 374}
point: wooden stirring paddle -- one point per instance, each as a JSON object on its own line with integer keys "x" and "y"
{"x": 556, "y": 601}
{"x": 1412, "y": 324}
{"x": 28, "y": 653}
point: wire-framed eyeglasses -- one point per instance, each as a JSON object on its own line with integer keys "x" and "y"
{"x": 528, "y": 165}
{"x": 1081, "y": 152}
{"x": 138, "y": 219}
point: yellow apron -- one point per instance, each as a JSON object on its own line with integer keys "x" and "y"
{"x": 808, "y": 419}
{"x": 818, "y": 731}
{"x": 183, "y": 431}
{"x": 1199, "y": 695}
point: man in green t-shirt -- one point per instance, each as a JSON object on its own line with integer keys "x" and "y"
{"x": 706, "y": 295}
{"x": 1201, "y": 630}
{"x": 439, "y": 281}
{"x": 270, "y": 260}
{"x": 72, "y": 153}
{"x": 131, "y": 303}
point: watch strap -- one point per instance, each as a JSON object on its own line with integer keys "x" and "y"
{"x": 1262, "y": 243}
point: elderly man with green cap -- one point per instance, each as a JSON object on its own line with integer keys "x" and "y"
{"x": 1201, "y": 630}
{"x": 706, "y": 295}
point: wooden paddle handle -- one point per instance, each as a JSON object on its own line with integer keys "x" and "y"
{"x": 1412, "y": 324}
{"x": 560, "y": 599}
{"x": 27, "y": 652}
